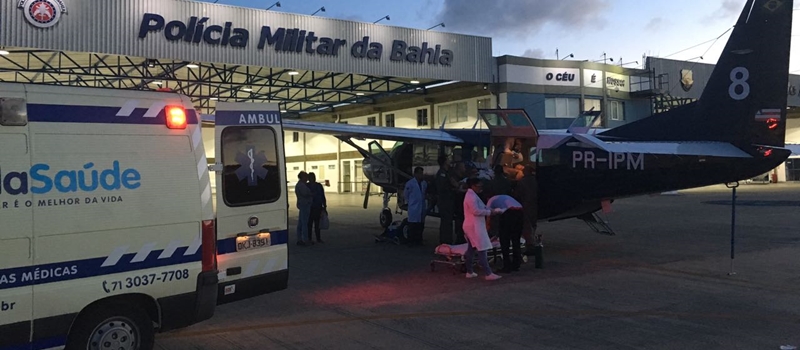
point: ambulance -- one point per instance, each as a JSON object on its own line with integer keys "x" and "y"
{"x": 116, "y": 224}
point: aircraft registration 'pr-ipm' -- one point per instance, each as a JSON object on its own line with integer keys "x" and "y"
{"x": 734, "y": 131}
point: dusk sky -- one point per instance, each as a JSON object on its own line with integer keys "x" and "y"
{"x": 624, "y": 29}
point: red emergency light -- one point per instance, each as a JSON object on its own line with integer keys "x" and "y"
{"x": 176, "y": 117}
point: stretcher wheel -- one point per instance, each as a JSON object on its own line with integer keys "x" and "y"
{"x": 385, "y": 218}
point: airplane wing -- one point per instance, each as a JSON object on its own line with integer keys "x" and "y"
{"x": 370, "y": 132}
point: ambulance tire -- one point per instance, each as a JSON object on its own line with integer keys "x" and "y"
{"x": 126, "y": 326}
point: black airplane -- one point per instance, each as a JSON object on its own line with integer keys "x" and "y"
{"x": 735, "y": 131}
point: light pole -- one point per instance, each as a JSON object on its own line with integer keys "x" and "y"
{"x": 320, "y": 9}
{"x": 273, "y": 5}
{"x": 440, "y": 24}
{"x": 382, "y": 18}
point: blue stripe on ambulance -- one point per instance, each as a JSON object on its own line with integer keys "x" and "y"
{"x": 70, "y": 270}
{"x": 102, "y": 115}
{"x": 40, "y": 344}
{"x": 75, "y": 269}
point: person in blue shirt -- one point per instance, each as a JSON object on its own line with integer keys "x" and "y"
{"x": 318, "y": 204}
{"x": 414, "y": 193}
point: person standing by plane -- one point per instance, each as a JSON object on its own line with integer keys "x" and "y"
{"x": 318, "y": 204}
{"x": 527, "y": 193}
{"x": 304, "y": 199}
{"x": 414, "y": 192}
{"x": 457, "y": 175}
{"x": 498, "y": 185}
{"x": 510, "y": 229}
{"x": 475, "y": 213}
{"x": 446, "y": 189}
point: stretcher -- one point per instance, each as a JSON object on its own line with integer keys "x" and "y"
{"x": 453, "y": 256}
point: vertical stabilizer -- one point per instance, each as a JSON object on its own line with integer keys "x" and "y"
{"x": 745, "y": 99}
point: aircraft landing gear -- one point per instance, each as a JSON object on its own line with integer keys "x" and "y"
{"x": 386, "y": 217}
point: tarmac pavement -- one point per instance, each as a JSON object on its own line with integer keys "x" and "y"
{"x": 661, "y": 283}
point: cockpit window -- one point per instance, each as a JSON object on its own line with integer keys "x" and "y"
{"x": 494, "y": 120}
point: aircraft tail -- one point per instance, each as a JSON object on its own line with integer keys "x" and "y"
{"x": 745, "y": 100}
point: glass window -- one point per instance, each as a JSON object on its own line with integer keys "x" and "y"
{"x": 590, "y": 103}
{"x": 372, "y": 121}
{"x": 494, "y": 120}
{"x": 390, "y": 120}
{"x": 561, "y": 107}
{"x": 295, "y": 136}
{"x": 422, "y": 117}
{"x": 616, "y": 110}
{"x": 456, "y": 112}
{"x": 251, "y": 170}
{"x": 485, "y": 103}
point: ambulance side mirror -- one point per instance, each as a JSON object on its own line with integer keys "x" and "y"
{"x": 13, "y": 112}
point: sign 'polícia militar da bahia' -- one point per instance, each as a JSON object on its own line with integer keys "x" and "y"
{"x": 199, "y": 30}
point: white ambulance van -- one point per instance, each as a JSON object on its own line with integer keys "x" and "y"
{"x": 108, "y": 231}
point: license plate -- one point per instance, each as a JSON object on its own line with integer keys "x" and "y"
{"x": 261, "y": 240}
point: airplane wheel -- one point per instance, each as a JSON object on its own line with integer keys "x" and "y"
{"x": 386, "y": 218}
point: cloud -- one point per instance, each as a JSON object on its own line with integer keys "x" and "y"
{"x": 504, "y": 18}
{"x": 727, "y": 9}
{"x": 533, "y": 53}
{"x": 731, "y": 7}
{"x": 654, "y": 24}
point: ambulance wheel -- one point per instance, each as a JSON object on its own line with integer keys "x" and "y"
{"x": 386, "y": 218}
{"x": 116, "y": 326}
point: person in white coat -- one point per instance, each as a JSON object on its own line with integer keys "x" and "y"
{"x": 414, "y": 191}
{"x": 475, "y": 213}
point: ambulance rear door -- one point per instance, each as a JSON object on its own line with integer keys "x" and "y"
{"x": 252, "y": 204}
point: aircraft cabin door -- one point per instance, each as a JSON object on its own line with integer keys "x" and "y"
{"x": 513, "y": 137}
{"x": 380, "y": 165}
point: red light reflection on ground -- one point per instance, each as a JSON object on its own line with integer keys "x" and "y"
{"x": 403, "y": 288}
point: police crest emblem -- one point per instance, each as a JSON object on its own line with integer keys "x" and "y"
{"x": 687, "y": 80}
